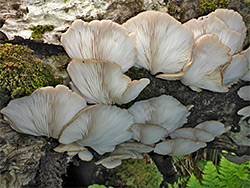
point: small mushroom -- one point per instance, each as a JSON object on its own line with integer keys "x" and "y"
{"x": 244, "y": 93}
{"x": 193, "y": 133}
{"x": 124, "y": 151}
{"x": 44, "y": 112}
{"x": 100, "y": 127}
{"x": 246, "y": 53}
{"x": 164, "y": 111}
{"x": 237, "y": 68}
{"x": 163, "y": 43}
{"x": 103, "y": 82}
{"x": 178, "y": 147}
{"x": 214, "y": 127}
{"x": 148, "y": 133}
{"x": 209, "y": 58}
{"x": 100, "y": 40}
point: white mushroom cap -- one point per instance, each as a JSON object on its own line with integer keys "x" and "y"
{"x": 44, "y": 112}
{"x": 178, "y": 146}
{"x": 246, "y": 53}
{"x": 212, "y": 24}
{"x": 72, "y": 147}
{"x": 163, "y": 43}
{"x": 193, "y": 133}
{"x": 235, "y": 70}
{"x": 85, "y": 155}
{"x": 209, "y": 57}
{"x": 148, "y": 133}
{"x": 103, "y": 82}
{"x": 245, "y": 112}
{"x": 165, "y": 111}
{"x": 124, "y": 151}
{"x": 244, "y": 93}
{"x": 233, "y": 19}
{"x": 101, "y": 40}
{"x": 214, "y": 127}
{"x": 100, "y": 127}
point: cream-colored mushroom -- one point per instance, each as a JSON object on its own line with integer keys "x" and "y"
{"x": 100, "y": 127}
{"x": 163, "y": 43}
{"x": 245, "y": 112}
{"x": 148, "y": 133}
{"x": 178, "y": 146}
{"x": 244, "y": 93}
{"x": 221, "y": 25}
{"x": 209, "y": 58}
{"x": 237, "y": 68}
{"x": 123, "y": 151}
{"x": 246, "y": 53}
{"x": 193, "y": 133}
{"x": 165, "y": 111}
{"x": 100, "y": 40}
{"x": 44, "y": 112}
{"x": 103, "y": 82}
{"x": 216, "y": 128}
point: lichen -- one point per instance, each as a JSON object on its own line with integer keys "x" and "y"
{"x": 206, "y": 6}
{"x": 39, "y": 30}
{"x": 137, "y": 173}
{"x": 21, "y": 72}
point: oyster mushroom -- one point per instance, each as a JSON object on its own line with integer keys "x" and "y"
{"x": 100, "y": 127}
{"x": 164, "y": 111}
{"x": 209, "y": 58}
{"x": 244, "y": 93}
{"x": 214, "y": 127}
{"x": 178, "y": 146}
{"x": 44, "y": 112}
{"x": 163, "y": 43}
{"x": 226, "y": 24}
{"x": 100, "y": 40}
{"x": 103, "y": 82}
{"x": 246, "y": 53}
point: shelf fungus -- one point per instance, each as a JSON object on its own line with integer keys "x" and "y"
{"x": 178, "y": 146}
{"x": 216, "y": 128}
{"x": 44, "y": 112}
{"x": 123, "y": 151}
{"x": 226, "y": 24}
{"x": 210, "y": 56}
{"x": 100, "y": 40}
{"x": 103, "y": 82}
{"x": 163, "y": 44}
{"x": 164, "y": 111}
{"x": 100, "y": 127}
{"x": 246, "y": 53}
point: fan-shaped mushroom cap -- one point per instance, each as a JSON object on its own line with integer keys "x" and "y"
{"x": 244, "y": 93}
{"x": 193, "y": 133}
{"x": 178, "y": 146}
{"x": 148, "y": 133}
{"x": 72, "y": 147}
{"x": 101, "y": 40}
{"x": 246, "y": 53}
{"x": 245, "y": 112}
{"x": 235, "y": 70}
{"x": 85, "y": 155}
{"x": 124, "y": 151}
{"x": 233, "y": 20}
{"x": 103, "y": 82}
{"x": 209, "y": 57}
{"x": 163, "y": 43}
{"x": 100, "y": 127}
{"x": 212, "y": 24}
{"x": 44, "y": 112}
{"x": 165, "y": 111}
{"x": 214, "y": 127}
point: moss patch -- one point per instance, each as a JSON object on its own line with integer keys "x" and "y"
{"x": 206, "y": 6}
{"x": 21, "y": 72}
{"x": 137, "y": 173}
{"x": 39, "y": 30}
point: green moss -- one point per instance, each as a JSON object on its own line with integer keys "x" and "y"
{"x": 206, "y": 6}
{"x": 175, "y": 10}
{"x": 39, "y": 30}
{"x": 21, "y": 72}
{"x": 138, "y": 173}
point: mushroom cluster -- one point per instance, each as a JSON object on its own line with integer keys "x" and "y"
{"x": 197, "y": 52}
